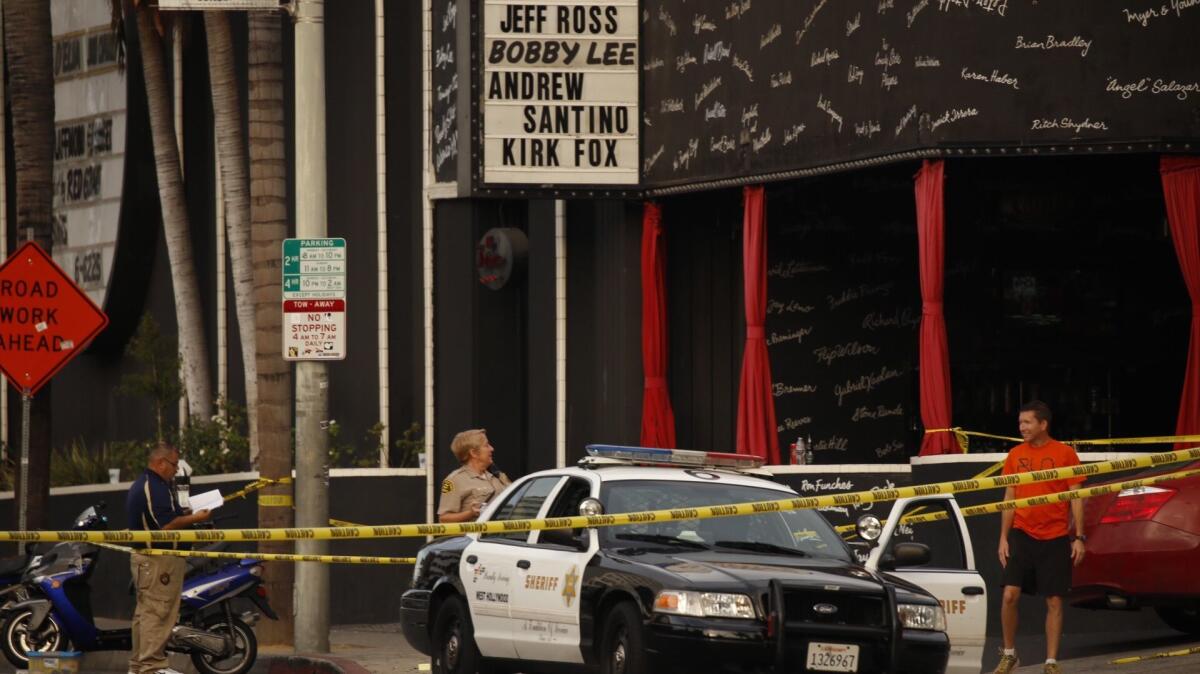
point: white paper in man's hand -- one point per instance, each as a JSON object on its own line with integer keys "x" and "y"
{"x": 209, "y": 500}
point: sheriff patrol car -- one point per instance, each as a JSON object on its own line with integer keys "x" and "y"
{"x": 770, "y": 592}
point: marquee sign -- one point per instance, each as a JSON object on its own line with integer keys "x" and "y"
{"x": 89, "y": 143}
{"x": 560, "y": 93}
{"x": 547, "y": 96}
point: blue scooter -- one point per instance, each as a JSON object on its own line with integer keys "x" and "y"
{"x": 12, "y": 569}
{"x": 59, "y": 614}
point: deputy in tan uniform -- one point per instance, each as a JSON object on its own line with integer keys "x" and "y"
{"x": 466, "y": 490}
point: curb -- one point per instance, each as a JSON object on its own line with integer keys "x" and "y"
{"x": 305, "y": 664}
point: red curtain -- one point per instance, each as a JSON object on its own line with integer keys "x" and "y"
{"x": 934, "y": 353}
{"x": 658, "y": 421}
{"x": 756, "y": 429}
{"x": 1181, "y": 191}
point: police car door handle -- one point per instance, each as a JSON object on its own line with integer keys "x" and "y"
{"x": 471, "y": 559}
{"x": 972, "y": 590}
{"x": 523, "y": 564}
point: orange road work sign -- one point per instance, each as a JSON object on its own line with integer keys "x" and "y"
{"x": 45, "y": 319}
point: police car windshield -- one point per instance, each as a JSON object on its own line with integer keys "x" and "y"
{"x": 801, "y": 530}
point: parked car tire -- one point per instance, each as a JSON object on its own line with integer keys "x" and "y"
{"x": 453, "y": 646}
{"x": 623, "y": 649}
{"x": 1183, "y": 618}
{"x": 16, "y": 640}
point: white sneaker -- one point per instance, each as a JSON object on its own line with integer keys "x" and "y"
{"x": 168, "y": 670}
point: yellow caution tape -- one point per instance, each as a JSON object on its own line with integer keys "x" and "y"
{"x": 581, "y": 521}
{"x": 1149, "y": 440}
{"x": 1045, "y": 499}
{"x": 255, "y": 486}
{"x": 342, "y": 523}
{"x": 265, "y": 556}
{"x": 987, "y": 472}
{"x": 1056, "y": 497}
{"x": 1165, "y": 654}
{"x": 964, "y": 438}
{"x": 275, "y": 500}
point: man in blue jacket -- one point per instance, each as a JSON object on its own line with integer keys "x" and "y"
{"x": 152, "y": 506}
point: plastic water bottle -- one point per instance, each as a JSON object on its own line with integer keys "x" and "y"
{"x": 800, "y": 454}
{"x": 183, "y": 484}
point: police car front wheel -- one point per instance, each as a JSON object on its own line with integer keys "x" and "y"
{"x": 622, "y": 650}
{"x": 454, "y": 649}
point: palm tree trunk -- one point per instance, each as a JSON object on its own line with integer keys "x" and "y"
{"x": 235, "y": 184}
{"x": 193, "y": 347}
{"x": 27, "y": 41}
{"x": 268, "y": 217}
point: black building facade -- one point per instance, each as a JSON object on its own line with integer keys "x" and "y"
{"x": 1060, "y": 277}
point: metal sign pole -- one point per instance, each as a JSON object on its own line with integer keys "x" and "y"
{"x": 23, "y": 507}
{"x": 312, "y": 378}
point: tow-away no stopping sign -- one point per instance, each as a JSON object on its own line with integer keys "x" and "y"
{"x": 314, "y": 329}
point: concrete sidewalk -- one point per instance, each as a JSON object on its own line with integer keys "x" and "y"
{"x": 378, "y": 649}
{"x": 1182, "y": 662}
{"x": 356, "y": 649}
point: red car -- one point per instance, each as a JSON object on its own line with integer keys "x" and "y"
{"x": 1143, "y": 550}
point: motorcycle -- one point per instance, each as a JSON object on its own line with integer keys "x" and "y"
{"x": 59, "y": 614}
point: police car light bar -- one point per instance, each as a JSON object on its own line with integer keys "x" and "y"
{"x": 676, "y": 457}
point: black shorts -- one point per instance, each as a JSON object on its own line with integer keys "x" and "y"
{"x": 1037, "y": 566}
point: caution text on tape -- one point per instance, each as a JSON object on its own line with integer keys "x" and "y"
{"x": 264, "y": 556}
{"x": 580, "y": 522}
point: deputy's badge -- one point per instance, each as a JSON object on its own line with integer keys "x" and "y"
{"x": 447, "y": 486}
{"x": 165, "y": 579}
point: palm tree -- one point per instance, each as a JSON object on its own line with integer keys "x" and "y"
{"x": 268, "y": 217}
{"x": 193, "y": 347}
{"x": 27, "y": 41}
{"x": 235, "y": 184}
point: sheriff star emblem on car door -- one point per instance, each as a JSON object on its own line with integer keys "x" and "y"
{"x": 569, "y": 581}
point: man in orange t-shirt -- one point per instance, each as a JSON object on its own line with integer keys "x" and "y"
{"x": 1035, "y": 550}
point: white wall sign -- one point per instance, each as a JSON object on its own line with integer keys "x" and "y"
{"x": 89, "y": 143}
{"x": 560, "y": 92}
{"x": 314, "y": 329}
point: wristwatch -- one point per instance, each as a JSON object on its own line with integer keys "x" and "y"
{"x": 1081, "y": 538}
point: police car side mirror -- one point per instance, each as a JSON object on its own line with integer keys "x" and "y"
{"x": 905, "y": 555}
{"x": 564, "y": 537}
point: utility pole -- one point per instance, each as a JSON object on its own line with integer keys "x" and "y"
{"x": 312, "y": 381}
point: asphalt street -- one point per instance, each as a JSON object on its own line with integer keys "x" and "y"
{"x": 1094, "y": 651}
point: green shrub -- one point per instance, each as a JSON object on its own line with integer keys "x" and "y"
{"x": 219, "y": 444}
{"x": 7, "y": 466}
{"x": 344, "y": 454}
{"x": 410, "y": 444}
{"x": 77, "y": 464}
{"x": 157, "y": 374}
